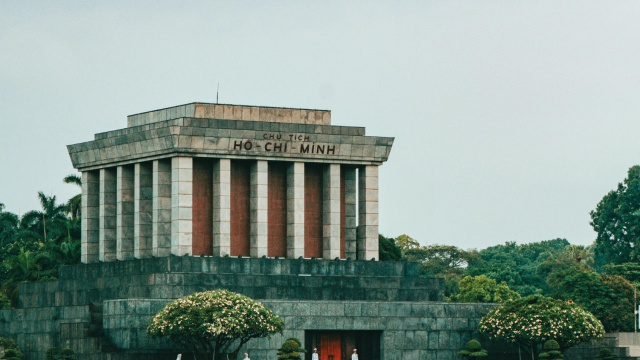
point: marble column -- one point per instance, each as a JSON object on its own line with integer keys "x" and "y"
{"x": 142, "y": 220}
{"x": 258, "y": 216}
{"x": 368, "y": 212}
{"x": 124, "y": 212}
{"x": 181, "y": 205}
{"x": 331, "y": 212}
{"x": 107, "y": 217}
{"x": 295, "y": 210}
{"x": 161, "y": 208}
{"x": 350, "y": 209}
{"x": 222, "y": 207}
{"x": 90, "y": 223}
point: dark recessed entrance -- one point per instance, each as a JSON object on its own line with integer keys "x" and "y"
{"x": 339, "y": 345}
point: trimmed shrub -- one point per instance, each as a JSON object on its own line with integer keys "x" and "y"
{"x": 473, "y": 350}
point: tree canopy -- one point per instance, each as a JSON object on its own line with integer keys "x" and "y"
{"x": 445, "y": 261}
{"x": 388, "y": 250}
{"x": 516, "y": 265}
{"x": 616, "y": 220}
{"x": 33, "y": 246}
{"x": 609, "y": 298}
{"x": 532, "y": 320}
{"x": 216, "y": 323}
{"x": 483, "y": 289}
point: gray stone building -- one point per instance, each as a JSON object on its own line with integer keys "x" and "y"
{"x": 273, "y": 203}
{"x": 169, "y": 182}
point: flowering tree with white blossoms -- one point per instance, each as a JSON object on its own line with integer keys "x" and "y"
{"x": 531, "y": 321}
{"x": 216, "y": 323}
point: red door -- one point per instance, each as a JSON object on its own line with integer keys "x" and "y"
{"x": 330, "y": 347}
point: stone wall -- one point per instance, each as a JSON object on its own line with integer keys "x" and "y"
{"x": 69, "y": 312}
{"x": 409, "y": 331}
{"x": 233, "y": 112}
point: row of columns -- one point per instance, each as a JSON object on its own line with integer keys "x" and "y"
{"x": 146, "y": 209}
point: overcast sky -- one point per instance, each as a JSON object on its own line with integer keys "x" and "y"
{"x": 511, "y": 119}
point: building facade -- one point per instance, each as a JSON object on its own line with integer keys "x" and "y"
{"x": 273, "y": 203}
{"x": 213, "y": 179}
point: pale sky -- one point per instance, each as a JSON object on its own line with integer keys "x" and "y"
{"x": 511, "y": 119}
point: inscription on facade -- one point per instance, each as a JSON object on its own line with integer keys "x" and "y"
{"x": 283, "y": 143}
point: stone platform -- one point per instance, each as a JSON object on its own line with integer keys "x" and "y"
{"x": 101, "y": 310}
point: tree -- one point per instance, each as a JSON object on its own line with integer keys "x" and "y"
{"x": 74, "y": 204}
{"x": 517, "y": 265}
{"x": 609, "y": 298}
{"x": 406, "y": 243}
{"x": 291, "y": 350}
{"x": 629, "y": 271}
{"x": 532, "y": 320}
{"x": 216, "y": 323}
{"x": 26, "y": 266}
{"x": 388, "y": 249}
{"x": 50, "y": 223}
{"x": 616, "y": 220}
{"x": 444, "y": 261}
{"x": 483, "y": 289}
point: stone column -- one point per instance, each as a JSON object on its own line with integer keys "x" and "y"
{"x": 107, "y": 217}
{"x": 295, "y": 210}
{"x": 222, "y": 207}
{"x": 181, "y": 205}
{"x": 331, "y": 212}
{"x": 350, "y": 207}
{"x": 368, "y": 212}
{"x": 142, "y": 220}
{"x": 161, "y": 204}
{"x": 258, "y": 208}
{"x": 124, "y": 212}
{"x": 90, "y": 223}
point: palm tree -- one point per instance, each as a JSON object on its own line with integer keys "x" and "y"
{"x": 27, "y": 266}
{"x": 51, "y": 218}
{"x": 74, "y": 207}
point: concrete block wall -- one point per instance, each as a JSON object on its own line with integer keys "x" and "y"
{"x": 233, "y": 112}
{"x": 36, "y": 330}
{"x": 259, "y": 278}
{"x": 409, "y": 331}
{"x": 209, "y": 137}
{"x": 70, "y": 311}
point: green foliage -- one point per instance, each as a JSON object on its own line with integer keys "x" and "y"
{"x": 609, "y": 298}
{"x": 532, "y": 320}
{"x": 53, "y": 353}
{"x": 67, "y": 354}
{"x": 483, "y": 289}
{"x": 551, "y": 350}
{"x": 629, "y": 271}
{"x": 616, "y": 220}
{"x": 406, "y": 243}
{"x": 291, "y": 350}
{"x": 444, "y": 261}
{"x": 473, "y": 350}
{"x": 73, "y": 206}
{"x": 11, "y": 350}
{"x": 215, "y": 322}
{"x": 388, "y": 251}
{"x": 606, "y": 354}
{"x": 517, "y": 265}
{"x": 34, "y": 246}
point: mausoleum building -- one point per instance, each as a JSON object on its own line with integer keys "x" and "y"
{"x": 214, "y": 179}
{"x": 273, "y": 203}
